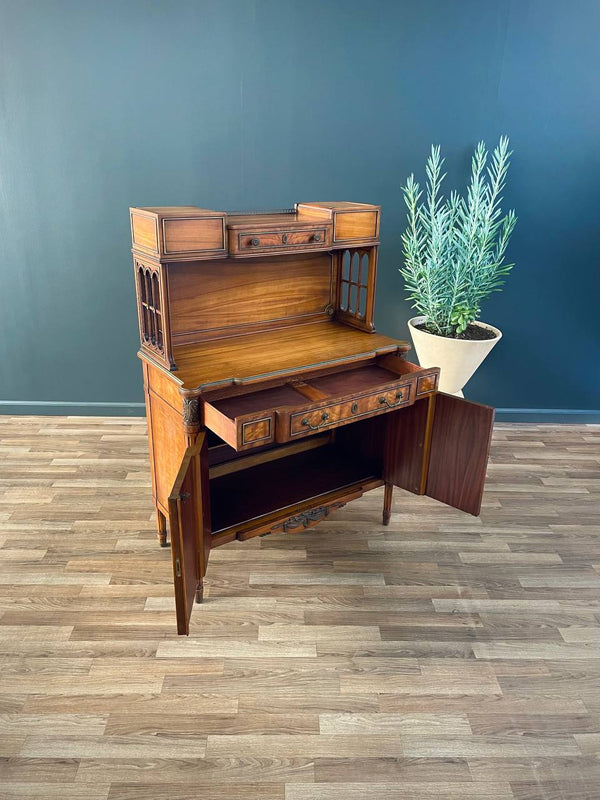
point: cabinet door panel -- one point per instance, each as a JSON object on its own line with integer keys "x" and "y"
{"x": 187, "y": 517}
{"x": 460, "y": 445}
{"x": 405, "y": 460}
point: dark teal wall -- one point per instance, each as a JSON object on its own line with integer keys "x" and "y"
{"x": 227, "y": 104}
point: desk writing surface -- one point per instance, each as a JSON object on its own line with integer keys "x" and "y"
{"x": 269, "y": 354}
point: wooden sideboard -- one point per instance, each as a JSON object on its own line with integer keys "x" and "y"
{"x": 271, "y": 400}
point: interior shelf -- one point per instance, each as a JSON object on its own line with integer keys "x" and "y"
{"x": 261, "y": 489}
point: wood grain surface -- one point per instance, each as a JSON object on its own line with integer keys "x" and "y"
{"x": 443, "y": 656}
{"x": 460, "y": 444}
{"x": 222, "y": 293}
{"x": 277, "y": 353}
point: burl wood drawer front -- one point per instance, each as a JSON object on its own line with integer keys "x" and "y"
{"x": 250, "y": 431}
{"x": 241, "y": 432}
{"x": 304, "y": 422}
{"x": 262, "y": 241}
{"x": 426, "y": 384}
{"x": 257, "y": 431}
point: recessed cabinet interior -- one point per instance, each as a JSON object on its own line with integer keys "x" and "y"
{"x": 271, "y": 400}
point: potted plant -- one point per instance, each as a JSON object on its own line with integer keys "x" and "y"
{"x": 454, "y": 251}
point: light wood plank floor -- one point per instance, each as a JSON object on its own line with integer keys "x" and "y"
{"x": 444, "y": 657}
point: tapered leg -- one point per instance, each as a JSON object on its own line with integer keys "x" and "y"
{"x": 387, "y": 503}
{"x": 200, "y": 592}
{"x": 161, "y": 522}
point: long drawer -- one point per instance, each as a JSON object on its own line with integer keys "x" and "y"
{"x": 303, "y": 408}
{"x": 334, "y": 414}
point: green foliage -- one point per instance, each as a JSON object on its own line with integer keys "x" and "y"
{"x": 454, "y": 247}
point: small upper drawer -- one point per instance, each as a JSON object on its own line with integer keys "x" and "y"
{"x": 278, "y": 241}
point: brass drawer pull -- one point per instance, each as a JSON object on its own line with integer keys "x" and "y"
{"x": 317, "y": 237}
{"x": 354, "y": 408}
{"x": 255, "y": 242}
{"x": 324, "y": 419}
{"x": 385, "y": 402}
{"x": 284, "y": 238}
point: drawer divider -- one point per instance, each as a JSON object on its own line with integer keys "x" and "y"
{"x": 311, "y": 392}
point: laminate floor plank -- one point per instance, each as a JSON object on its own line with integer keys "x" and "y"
{"x": 444, "y": 656}
{"x": 388, "y": 770}
{"x": 554, "y": 790}
{"x": 55, "y": 791}
{"x": 403, "y": 791}
{"x": 196, "y": 771}
{"x": 207, "y": 791}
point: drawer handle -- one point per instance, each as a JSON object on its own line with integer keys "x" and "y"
{"x": 354, "y": 408}
{"x": 317, "y": 237}
{"x": 385, "y": 402}
{"x": 284, "y": 238}
{"x": 324, "y": 419}
{"x": 255, "y": 242}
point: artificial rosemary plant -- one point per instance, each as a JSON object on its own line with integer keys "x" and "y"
{"x": 454, "y": 247}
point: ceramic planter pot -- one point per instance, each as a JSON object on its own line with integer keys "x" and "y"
{"x": 457, "y": 358}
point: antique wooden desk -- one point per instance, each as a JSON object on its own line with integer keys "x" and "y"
{"x": 270, "y": 399}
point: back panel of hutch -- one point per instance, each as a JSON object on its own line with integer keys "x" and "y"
{"x": 270, "y": 399}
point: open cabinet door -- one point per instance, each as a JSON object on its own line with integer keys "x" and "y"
{"x": 459, "y": 451}
{"x": 189, "y": 537}
{"x": 440, "y": 447}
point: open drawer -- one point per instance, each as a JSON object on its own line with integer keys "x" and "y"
{"x": 302, "y": 407}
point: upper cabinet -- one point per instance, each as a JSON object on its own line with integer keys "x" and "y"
{"x": 188, "y": 233}
{"x": 178, "y": 233}
{"x": 353, "y": 223}
{"x": 203, "y": 275}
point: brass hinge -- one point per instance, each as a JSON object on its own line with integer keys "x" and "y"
{"x": 178, "y": 568}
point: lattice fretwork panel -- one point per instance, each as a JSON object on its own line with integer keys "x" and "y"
{"x": 151, "y": 318}
{"x": 354, "y": 282}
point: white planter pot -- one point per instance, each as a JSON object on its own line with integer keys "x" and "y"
{"x": 457, "y": 358}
